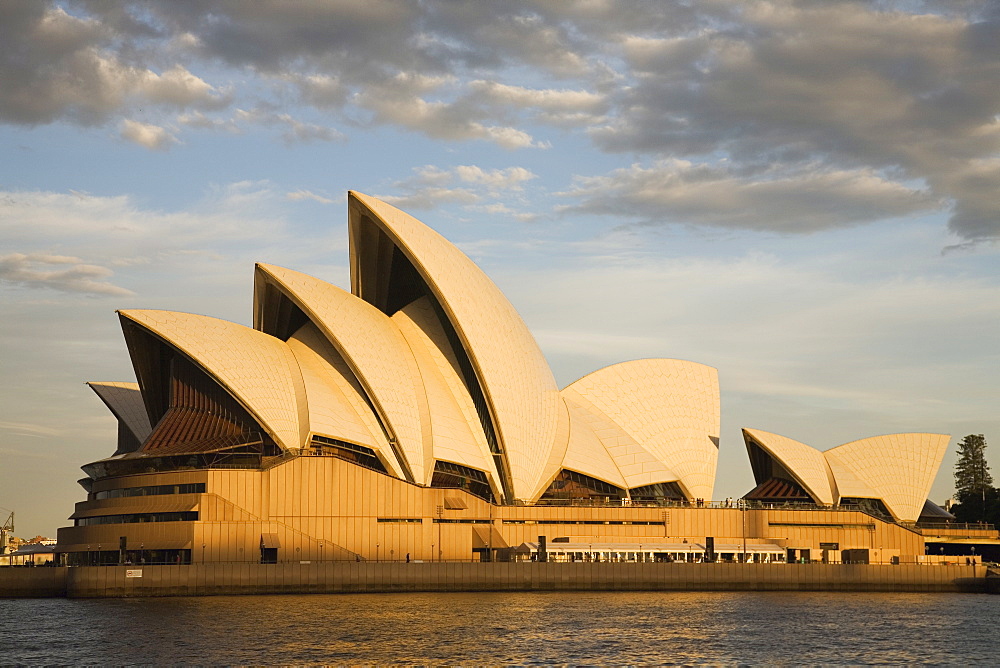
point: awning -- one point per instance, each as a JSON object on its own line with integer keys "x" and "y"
{"x": 487, "y": 536}
{"x": 455, "y": 503}
{"x": 138, "y": 505}
{"x": 269, "y": 541}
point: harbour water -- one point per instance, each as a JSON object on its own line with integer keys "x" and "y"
{"x": 506, "y": 628}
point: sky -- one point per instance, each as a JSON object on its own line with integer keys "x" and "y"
{"x": 803, "y": 195}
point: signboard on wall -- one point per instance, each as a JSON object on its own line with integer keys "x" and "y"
{"x": 133, "y": 573}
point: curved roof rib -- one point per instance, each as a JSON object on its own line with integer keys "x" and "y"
{"x": 337, "y": 407}
{"x": 635, "y": 464}
{"x": 900, "y": 468}
{"x": 456, "y": 433}
{"x": 587, "y": 453}
{"x": 669, "y": 407}
{"x": 258, "y": 370}
{"x": 377, "y": 354}
{"x": 125, "y": 402}
{"x": 805, "y": 464}
{"x": 395, "y": 259}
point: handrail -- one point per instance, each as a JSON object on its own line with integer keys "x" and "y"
{"x": 961, "y": 526}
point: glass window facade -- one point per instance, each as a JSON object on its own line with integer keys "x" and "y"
{"x": 352, "y": 452}
{"x": 447, "y": 474}
{"x": 572, "y": 486}
{"x": 152, "y": 490}
{"x": 137, "y": 518}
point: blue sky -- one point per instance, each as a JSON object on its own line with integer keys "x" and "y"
{"x": 802, "y": 195}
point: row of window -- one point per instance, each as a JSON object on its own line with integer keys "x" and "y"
{"x": 138, "y": 518}
{"x": 151, "y": 490}
{"x": 581, "y": 522}
{"x": 351, "y": 452}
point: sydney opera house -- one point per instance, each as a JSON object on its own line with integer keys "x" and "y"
{"x": 415, "y": 418}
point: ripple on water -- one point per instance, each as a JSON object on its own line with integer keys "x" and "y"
{"x": 502, "y": 628}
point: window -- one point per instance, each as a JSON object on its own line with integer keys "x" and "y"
{"x": 152, "y": 490}
{"x": 137, "y": 518}
{"x": 352, "y": 452}
{"x": 447, "y": 474}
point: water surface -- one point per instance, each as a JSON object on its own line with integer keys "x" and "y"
{"x": 506, "y": 628}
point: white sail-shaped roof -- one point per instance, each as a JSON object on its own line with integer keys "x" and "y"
{"x": 456, "y": 432}
{"x": 806, "y": 464}
{"x": 125, "y": 402}
{"x": 376, "y": 352}
{"x": 900, "y": 468}
{"x": 586, "y": 453}
{"x": 258, "y": 370}
{"x": 529, "y": 419}
{"x": 671, "y": 409}
{"x": 897, "y": 469}
{"x": 636, "y": 465}
{"x": 336, "y": 407}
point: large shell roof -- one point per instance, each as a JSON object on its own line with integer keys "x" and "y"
{"x": 530, "y": 420}
{"x": 900, "y": 467}
{"x": 805, "y": 463}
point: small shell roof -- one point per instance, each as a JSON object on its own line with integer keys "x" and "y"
{"x": 376, "y": 351}
{"x": 257, "y": 369}
{"x": 586, "y": 453}
{"x": 899, "y": 467}
{"x": 806, "y": 463}
{"x": 529, "y": 416}
{"x": 125, "y": 402}
{"x": 669, "y": 407}
{"x": 635, "y": 464}
{"x": 336, "y": 408}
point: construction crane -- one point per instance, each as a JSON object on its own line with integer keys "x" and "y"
{"x": 6, "y": 530}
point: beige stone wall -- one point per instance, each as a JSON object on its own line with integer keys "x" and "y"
{"x": 323, "y": 508}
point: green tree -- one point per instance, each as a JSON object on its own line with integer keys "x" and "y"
{"x": 973, "y": 482}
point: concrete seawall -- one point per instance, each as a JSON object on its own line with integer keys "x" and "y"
{"x": 343, "y": 577}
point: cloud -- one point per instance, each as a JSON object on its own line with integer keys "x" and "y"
{"x": 294, "y": 132}
{"x": 674, "y": 191}
{"x": 149, "y": 136}
{"x": 300, "y": 195}
{"x": 838, "y": 83}
{"x": 429, "y": 187}
{"x": 116, "y": 231}
{"x": 402, "y": 100}
{"x": 558, "y": 107}
{"x": 902, "y": 90}
{"x": 510, "y": 178}
{"x": 27, "y": 429}
{"x": 56, "y": 66}
{"x": 34, "y": 271}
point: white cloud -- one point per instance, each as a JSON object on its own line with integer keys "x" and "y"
{"x": 35, "y": 271}
{"x": 724, "y": 195}
{"x": 146, "y": 135}
{"x": 430, "y": 187}
{"x": 510, "y": 178}
{"x": 300, "y": 195}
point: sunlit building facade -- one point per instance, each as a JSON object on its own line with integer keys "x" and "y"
{"x": 415, "y": 418}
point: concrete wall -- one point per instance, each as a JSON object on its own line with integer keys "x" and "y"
{"x": 16, "y": 582}
{"x": 341, "y": 577}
